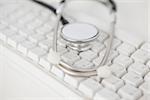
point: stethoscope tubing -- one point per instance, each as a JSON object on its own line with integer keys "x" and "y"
{"x": 63, "y": 65}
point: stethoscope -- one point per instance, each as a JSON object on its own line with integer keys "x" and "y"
{"x": 78, "y": 36}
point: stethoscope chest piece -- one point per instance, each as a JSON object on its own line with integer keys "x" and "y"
{"x": 79, "y": 35}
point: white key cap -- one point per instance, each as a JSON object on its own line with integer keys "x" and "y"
{"x": 113, "y": 83}
{"x": 129, "y": 38}
{"x": 15, "y": 40}
{"x": 126, "y": 49}
{"x": 34, "y": 24}
{"x": 148, "y": 64}
{"x": 133, "y": 79}
{"x": 145, "y": 97}
{"x": 103, "y": 72}
{"x": 147, "y": 77}
{"x": 102, "y": 37}
{"x": 44, "y": 29}
{"x": 36, "y": 53}
{"x": 45, "y": 63}
{"x": 115, "y": 43}
{"x": 36, "y": 38}
{"x": 6, "y": 33}
{"x": 113, "y": 54}
{"x": 45, "y": 13}
{"x": 88, "y": 55}
{"x": 129, "y": 92}
{"x": 98, "y": 59}
{"x": 97, "y": 47}
{"x": 139, "y": 69}
{"x": 117, "y": 70}
{"x": 25, "y": 46}
{"x": 145, "y": 87}
{"x": 16, "y": 15}
{"x": 83, "y": 64}
{"x": 123, "y": 61}
{"x": 26, "y": 32}
{"x": 58, "y": 72}
{"x": 16, "y": 26}
{"x": 62, "y": 50}
{"x": 70, "y": 57}
{"x": 106, "y": 94}
{"x": 62, "y": 42}
{"x": 74, "y": 81}
{"x": 29, "y": 17}
{"x": 146, "y": 47}
{"x": 89, "y": 87}
{"x": 2, "y": 26}
{"x": 45, "y": 44}
{"x": 141, "y": 56}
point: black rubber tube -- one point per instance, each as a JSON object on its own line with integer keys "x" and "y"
{"x": 63, "y": 20}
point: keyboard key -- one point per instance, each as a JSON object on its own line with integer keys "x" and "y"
{"x": 126, "y": 49}
{"x": 145, "y": 87}
{"x": 146, "y": 47}
{"x": 36, "y": 38}
{"x": 62, "y": 50}
{"x": 27, "y": 18}
{"x": 145, "y": 97}
{"x": 2, "y": 26}
{"x": 97, "y": 47}
{"x": 34, "y": 24}
{"x": 88, "y": 55}
{"x": 26, "y": 32}
{"x": 123, "y": 61}
{"x": 106, "y": 94}
{"x": 46, "y": 44}
{"x": 113, "y": 54}
{"x": 129, "y": 38}
{"x": 148, "y": 64}
{"x": 83, "y": 64}
{"x": 44, "y": 29}
{"x": 62, "y": 42}
{"x": 132, "y": 79}
{"x": 102, "y": 37}
{"x": 70, "y": 57}
{"x": 15, "y": 40}
{"x": 98, "y": 59}
{"x": 6, "y": 33}
{"x": 129, "y": 92}
{"x": 58, "y": 72}
{"x": 118, "y": 70}
{"x": 113, "y": 83}
{"x": 25, "y": 46}
{"x": 74, "y": 81}
{"x": 45, "y": 63}
{"x": 139, "y": 69}
{"x": 115, "y": 43}
{"x": 36, "y": 53}
{"x": 147, "y": 77}
{"x": 89, "y": 87}
{"x": 141, "y": 56}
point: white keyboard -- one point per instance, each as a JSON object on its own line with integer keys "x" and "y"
{"x": 27, "y": 28}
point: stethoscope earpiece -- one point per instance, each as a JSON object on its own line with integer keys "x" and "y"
{"x": 79, "y": 36}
